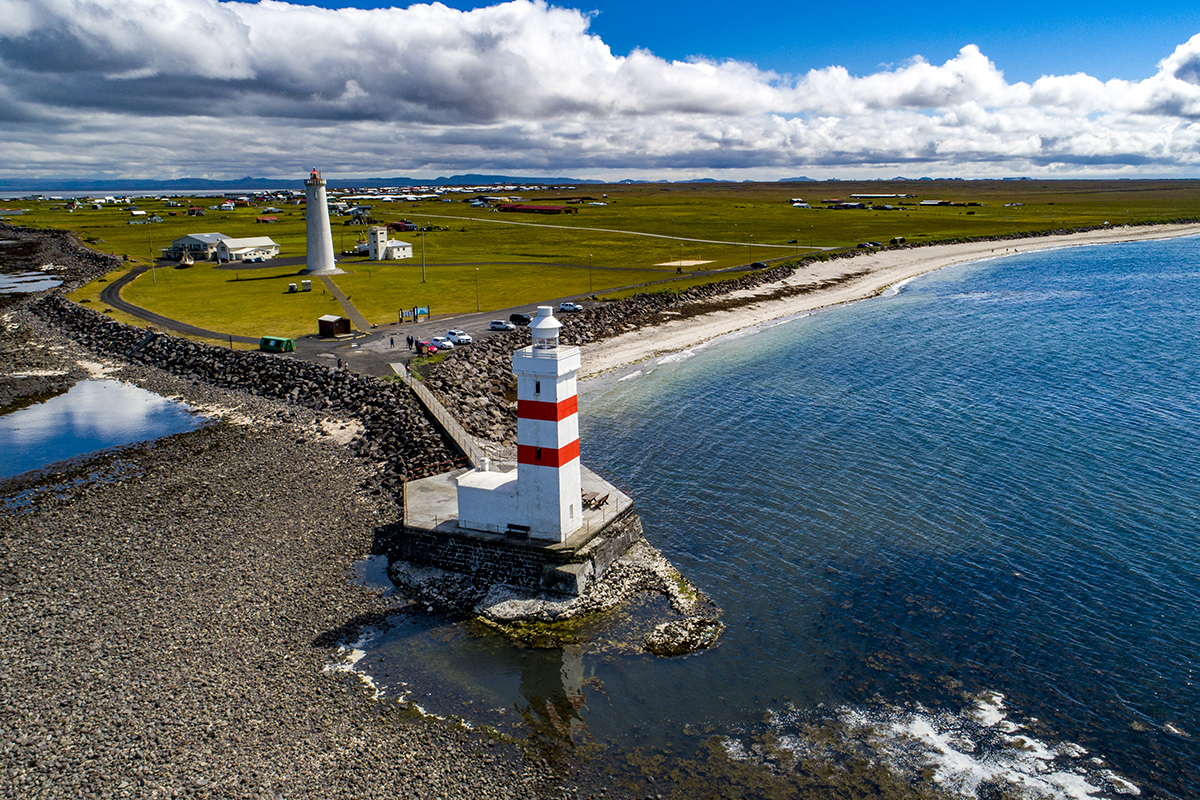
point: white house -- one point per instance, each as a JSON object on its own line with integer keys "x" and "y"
{"x": 381, "y": 248}
{"x": 201, "y": 246}
{"x": 254, "y": 247}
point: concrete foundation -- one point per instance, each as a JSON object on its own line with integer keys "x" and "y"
{"x": 431, "y": 537}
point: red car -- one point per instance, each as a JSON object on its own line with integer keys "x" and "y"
{"x": 426, "y": 348}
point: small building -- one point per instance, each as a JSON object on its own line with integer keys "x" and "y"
{"x": 200, "y": 246}
{"x": 194, "y": 211}
{"x": 331, "y": 326}
{"x": 381, "y": 248}
{"x": 226, "y": 206}
{"x": 11, "y": 212}
{"x": 266, "y": 220}
{"x": 258, "y": 248}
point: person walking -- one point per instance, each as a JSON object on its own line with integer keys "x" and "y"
{"x": 392, "y": 343}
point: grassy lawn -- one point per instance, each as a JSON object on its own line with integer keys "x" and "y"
{"x": 522, "y": 258}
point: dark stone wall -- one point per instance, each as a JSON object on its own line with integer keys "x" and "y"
{"x": 397, "y": 430}
{"x": 493, "y": 559}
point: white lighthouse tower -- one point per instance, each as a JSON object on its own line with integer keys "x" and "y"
{"x": 544, "y": 497}
{"x": 319, "y": 236}
{"x": 548, "y": 430}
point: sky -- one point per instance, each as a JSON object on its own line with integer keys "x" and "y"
{"x": 607, "y": 89}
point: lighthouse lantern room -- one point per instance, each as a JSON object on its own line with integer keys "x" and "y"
{"x": 545, "y": 494}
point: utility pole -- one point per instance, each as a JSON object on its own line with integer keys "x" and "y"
{"x": 476, "y": 289}
{"x": 422, "y": 256}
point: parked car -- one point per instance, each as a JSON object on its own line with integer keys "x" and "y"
{"x": 570, "y": 307}
{"x": 425, "y": 348}
{"x": 442, "y": 343}
{"x": 758, "y": 265}
{"x": 520, "y": 319}
{"x": 459, "y": 337}
{"x": 501, "y": 325}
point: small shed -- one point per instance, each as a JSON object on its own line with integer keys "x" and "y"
{"x": 330, "y": 326}
{"x": 276, "y": 344}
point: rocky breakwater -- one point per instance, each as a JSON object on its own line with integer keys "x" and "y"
{"x": 478, "y": 382}
{"x": 396, "y": 431}
{"x": 52, "y": 251}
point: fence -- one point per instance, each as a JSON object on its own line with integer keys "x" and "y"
{"x": 466, "y": 442}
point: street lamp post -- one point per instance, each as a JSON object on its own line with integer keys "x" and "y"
{"x": 590, "y": 290}
{"x": 422, "y": 256}
{"x": 477, "y": 290}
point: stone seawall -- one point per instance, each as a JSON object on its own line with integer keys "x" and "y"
{"x": 489, "y": 558}
{"x": 396, "y": 429}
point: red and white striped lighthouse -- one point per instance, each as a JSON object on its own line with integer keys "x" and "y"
{"x": 548, "y": 431}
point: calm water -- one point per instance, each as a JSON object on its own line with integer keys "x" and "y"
{"x": 958, "y": 523}
{"x": 22, "y": 282}
{"x": 93, "y": 415}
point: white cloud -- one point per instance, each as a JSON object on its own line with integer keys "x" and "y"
{"x": 184, "y": 87}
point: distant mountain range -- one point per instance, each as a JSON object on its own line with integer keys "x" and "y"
{"x": 57, "y": 185}
{"x": 207, "y": 185}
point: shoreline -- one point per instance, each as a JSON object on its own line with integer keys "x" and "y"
{"x": 832, "y": 283}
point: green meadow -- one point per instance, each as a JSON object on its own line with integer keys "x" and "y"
{"x": 480, "y": 258}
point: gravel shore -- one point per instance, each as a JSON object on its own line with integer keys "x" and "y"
{"x": 170, "y": 611}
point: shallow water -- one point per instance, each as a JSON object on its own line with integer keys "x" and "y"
{"x": 93, "y": 415}
{"x": 956, "y": 524}
{"x": 23, "y": 282}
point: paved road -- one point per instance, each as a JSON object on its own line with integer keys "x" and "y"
{"x": 111, "y": 295}
{"x": 373, "y": 350}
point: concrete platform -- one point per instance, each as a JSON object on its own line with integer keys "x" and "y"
{"x": 431, "y": 504}
{"x": 430, "y": 537}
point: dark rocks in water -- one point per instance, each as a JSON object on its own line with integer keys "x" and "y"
{"x": 682, "y": 636}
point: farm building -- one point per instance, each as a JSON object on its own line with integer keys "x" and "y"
{"x": 526, "y": 208}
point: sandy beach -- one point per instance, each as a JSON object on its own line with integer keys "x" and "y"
{"x": 852, "y": 279}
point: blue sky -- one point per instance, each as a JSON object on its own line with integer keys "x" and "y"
{"x": 1025, "y": 39}
{"x": 672, "y": 90}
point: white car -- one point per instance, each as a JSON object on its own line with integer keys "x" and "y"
{"x": 459, "y": 337}
{"x": 570, "y": 307}
{"x": 442, "y": 343}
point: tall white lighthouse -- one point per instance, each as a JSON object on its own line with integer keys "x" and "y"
{"x": 319, "y": 236}
{"x": 544, "y": 497}
{"x": 548, "y": 429}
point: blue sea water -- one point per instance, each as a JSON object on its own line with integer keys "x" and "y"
{"x": 958, "y": 522}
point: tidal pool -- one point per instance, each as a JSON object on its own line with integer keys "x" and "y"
{"x": 93, "y": 415}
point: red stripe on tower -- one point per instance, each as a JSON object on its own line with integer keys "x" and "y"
{"x": 548, "y": 412}
{"x": 547, "y": 456}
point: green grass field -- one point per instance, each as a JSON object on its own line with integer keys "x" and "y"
{"x": 515, "y": 259}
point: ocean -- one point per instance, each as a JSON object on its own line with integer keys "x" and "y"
{"x": 953, "y": 531}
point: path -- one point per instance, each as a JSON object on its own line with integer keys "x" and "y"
{"x": 348, "y": 308}
{"x": 111, "y": 295}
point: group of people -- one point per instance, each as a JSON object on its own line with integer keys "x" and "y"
{"x": 411, "y": 341}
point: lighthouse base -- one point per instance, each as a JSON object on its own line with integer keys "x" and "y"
{"x": 430, "y": 536}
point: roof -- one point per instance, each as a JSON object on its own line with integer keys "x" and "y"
{"x": 204, "y": 238}
{"x": 252, "y": 241}
{"x": 331, "y": 318}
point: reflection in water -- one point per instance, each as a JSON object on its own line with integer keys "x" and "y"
{"x": 552, "y": 688}
{"x": 93, "y": 415}
{"x": 21, "y": 282}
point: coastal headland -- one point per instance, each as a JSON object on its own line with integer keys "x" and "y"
{"x": 174, "y": 611}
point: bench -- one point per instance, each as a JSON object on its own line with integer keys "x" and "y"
{"x": 517, "y": 531}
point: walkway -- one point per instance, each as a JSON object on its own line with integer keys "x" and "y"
{"x": 348, "y": 308}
